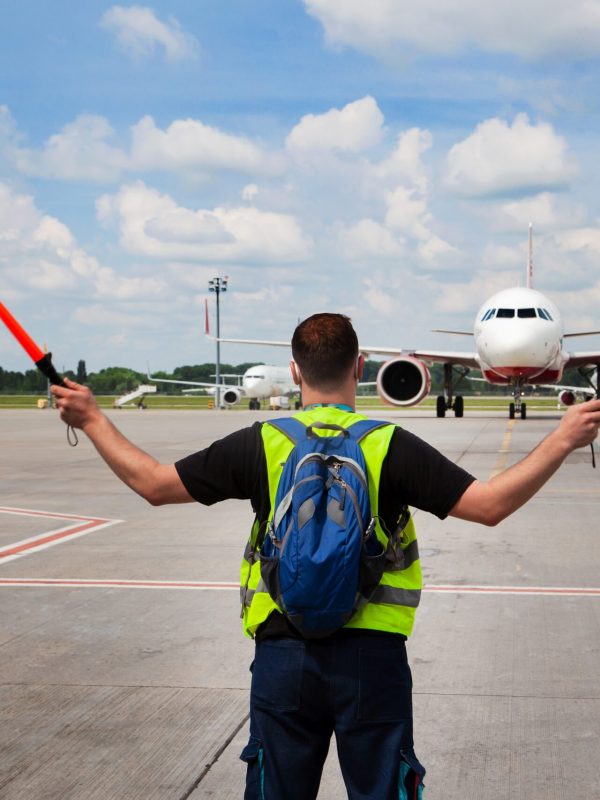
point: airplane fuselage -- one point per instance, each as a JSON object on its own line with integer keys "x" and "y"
{"x": 263, "y": 381}
{"x": 518, "y": 338}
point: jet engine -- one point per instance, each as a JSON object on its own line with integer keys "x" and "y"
{"x": 566, "y": 397}
{"x": 404, "y": 381}
{"x": 231, "y": 396}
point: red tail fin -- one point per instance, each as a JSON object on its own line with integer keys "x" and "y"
{"x": 206, "y": 322}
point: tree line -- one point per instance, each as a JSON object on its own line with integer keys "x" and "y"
{"x": 119, "y": 380}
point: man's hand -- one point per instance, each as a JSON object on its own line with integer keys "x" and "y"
{"x": 76, "y": 404}
{"x": 579, "y": 425}
{"x": 492, "y": 501}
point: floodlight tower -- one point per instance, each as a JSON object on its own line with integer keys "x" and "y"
{"x": 218, "y": 285}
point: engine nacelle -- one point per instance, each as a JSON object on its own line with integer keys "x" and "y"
{"x": 404, "y": 381}
{"x": 566, "y": 397}
{"x": 231, "y": 396}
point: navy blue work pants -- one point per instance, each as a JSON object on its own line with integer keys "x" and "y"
{"x": 356, "y": 685}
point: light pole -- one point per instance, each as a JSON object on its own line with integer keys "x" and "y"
{"x": 218, "y": 285}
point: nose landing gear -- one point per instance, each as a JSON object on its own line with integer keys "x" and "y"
{"x": 517, "y": 408}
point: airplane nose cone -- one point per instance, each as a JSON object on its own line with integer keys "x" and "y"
{"x": 512, "y": 347}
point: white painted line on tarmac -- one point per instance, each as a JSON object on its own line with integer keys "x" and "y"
{"x": 93, "y": 583}
{"x": 79, "y": 526}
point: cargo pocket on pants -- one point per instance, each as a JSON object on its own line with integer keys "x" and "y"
{"x": 410, "y": 783}
{"x": 253, "y": 755}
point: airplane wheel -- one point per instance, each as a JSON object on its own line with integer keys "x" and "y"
{"x": 440, "y": 407}
{"x": 511, "y": 410}
{"x": 523, "y": 411}
{"x": 459, "y": 406}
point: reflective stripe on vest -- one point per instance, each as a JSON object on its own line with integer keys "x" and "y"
{"x": 393, "y": 606}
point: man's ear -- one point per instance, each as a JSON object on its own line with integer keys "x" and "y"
{"x": 296, "y": 377}
{"x": 360, "y": 366}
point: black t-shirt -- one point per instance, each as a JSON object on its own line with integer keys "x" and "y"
{"x": 413, "y": 474}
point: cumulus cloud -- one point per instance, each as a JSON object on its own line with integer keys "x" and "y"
{"x": 352, "y": 129}
{"x": 498, "y": 157}
{"x": 81, "y": 151}
{"x": 368, "y": 239}
{"x": 86, "y": 149}
{"x": 545, "y": 211}
{"x": 435, "y": 27}
{"x": 580, "y": 240}
{"x": 405, "y": 162}
{"x": 151, "y": 224}
{"x": 140, "y": 33}
{"x": 38, "y": 251}
{"x": 189, "y": 143}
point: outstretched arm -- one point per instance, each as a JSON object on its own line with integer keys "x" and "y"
{"x": 492, "y": 501}
{"x": 155, "y": 482}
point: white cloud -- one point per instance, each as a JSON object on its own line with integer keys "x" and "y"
{"x": 151, "y": 224}
{"x": 545, "y": 211}
{"x": 368, "y": 239}
{"x": 189, "y": 143}
{"x": 140, "y": 33}
{"x": 499, "y": 157}
{"x": 580, "y": 240}
{"x": 85, "y": 150}
{"x": 352, "y": 129}
{"x": 81, "y": 151}
{"x": 405, "y": 162}
{"x": 38, "y": 251}
{"x": 530, "y": 29}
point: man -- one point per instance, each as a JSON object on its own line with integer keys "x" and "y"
{"x": 355, "y": 683}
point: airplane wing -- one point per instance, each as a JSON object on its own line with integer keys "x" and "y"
{"x": 583, "y": 358}
{"x": 460, "y": 357}
{"x": 429, "y": 356}
{"x": 200, "y": 384}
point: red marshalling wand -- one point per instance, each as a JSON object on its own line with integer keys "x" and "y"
{"x": 43, "y": 361}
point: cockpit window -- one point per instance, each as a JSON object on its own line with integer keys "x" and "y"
{"x": 526, "y": 313}
{"x": 507, "y": 313}
{"x": 548, "y": 314}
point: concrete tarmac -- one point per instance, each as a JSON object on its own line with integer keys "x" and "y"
{"x": 124, "y": 671}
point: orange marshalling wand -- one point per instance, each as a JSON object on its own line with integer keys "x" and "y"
{"x": 43, "y": 361}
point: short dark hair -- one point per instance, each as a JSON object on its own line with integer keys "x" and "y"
{"x": 325, "y": 347}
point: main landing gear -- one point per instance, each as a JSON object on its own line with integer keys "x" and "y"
{"x": 448, "y": 401}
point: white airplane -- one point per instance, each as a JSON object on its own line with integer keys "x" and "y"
{"x": 260, "y": 382}
{"x": 518, "y": 341}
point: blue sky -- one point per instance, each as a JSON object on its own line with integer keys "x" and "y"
{"x": 382, "y": 159}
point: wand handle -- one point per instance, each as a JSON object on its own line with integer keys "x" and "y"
{"x": 46, "y": 366}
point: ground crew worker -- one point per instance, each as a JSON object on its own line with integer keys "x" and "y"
{"x": 356, "y": 682}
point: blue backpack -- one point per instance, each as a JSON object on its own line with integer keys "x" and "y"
{"x": 320, "y": 559}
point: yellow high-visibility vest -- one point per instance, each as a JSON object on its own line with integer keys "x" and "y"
{"x": 393, "y": 605}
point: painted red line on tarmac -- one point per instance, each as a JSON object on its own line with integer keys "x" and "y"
{"x": 80, "y": 525}
{"x": 64, "y": 534}
{"x": 560, "y": 590}
{"x": 234, "y": 586}
{"x": 133, "y": 584}
{"x": 27, "y": 512}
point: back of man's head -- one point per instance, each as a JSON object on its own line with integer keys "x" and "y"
{"x": 325, "y": 349}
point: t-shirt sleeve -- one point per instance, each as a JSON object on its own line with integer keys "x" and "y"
{"x": 422, "y": 476}
{"x": 229, "y": 468}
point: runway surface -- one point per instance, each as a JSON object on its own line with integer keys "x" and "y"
{"x": 124, "y": 672}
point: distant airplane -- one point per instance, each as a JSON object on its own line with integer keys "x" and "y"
{"x": 260, "y": 382}
{"x": 518, "y": 341}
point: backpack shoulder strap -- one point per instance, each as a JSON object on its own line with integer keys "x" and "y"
{"x": 290, "y": 427}
{"x": 358, "y": 430}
